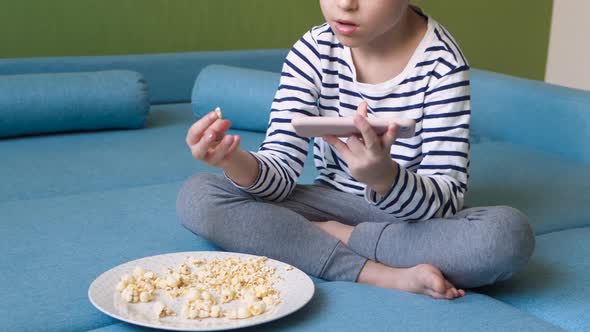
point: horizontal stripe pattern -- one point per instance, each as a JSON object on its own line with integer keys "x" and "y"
{"x": 318, "y": 79}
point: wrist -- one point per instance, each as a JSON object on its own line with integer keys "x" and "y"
{"x": 242, "y": 168}
{"x": 233, "y": 159}
{"x": 384, "y": 183}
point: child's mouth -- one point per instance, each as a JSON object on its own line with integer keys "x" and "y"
{"x": 346, "y": 28}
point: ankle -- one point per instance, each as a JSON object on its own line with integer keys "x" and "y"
{"x": 370, "y": 272}
{"x": 381, "y": 275}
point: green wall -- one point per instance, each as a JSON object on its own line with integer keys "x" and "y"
{"x": 508, "y": 36}
{"x": 96, "y": 27}
{"x": 503, "y": 35}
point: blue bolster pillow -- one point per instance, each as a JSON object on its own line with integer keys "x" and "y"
{"x": 244, "y": 95}
{"x": 58, "y": 102}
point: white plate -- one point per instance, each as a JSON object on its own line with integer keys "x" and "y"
{"x": 295, "y": 287}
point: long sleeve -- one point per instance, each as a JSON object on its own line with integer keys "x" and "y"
{"x": 282, "y": 154}
{"x": 437, "y": 187}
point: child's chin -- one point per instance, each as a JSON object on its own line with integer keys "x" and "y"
{"x": 349, "y": 42}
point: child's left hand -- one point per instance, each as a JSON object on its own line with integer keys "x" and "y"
{"x": 368, "y": 157}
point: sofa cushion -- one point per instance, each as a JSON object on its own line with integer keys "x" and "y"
{"x": 554, "y": 286}
{"x": 46, "y": 103}
{"x": 244, "y": 95}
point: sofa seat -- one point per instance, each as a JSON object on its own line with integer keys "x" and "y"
{"x": 60, "y": 244}
{"x": 72, "y": 163}
{"x": 555, "y": 284}
{"x": 100, "y": 199}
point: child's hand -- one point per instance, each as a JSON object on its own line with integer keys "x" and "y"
{"x": 368, "y": 158}
{"x": 208, "y": 142}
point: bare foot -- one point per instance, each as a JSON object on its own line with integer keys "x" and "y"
{"x": 336, "y": 229}
{"x": 420, "y": 279}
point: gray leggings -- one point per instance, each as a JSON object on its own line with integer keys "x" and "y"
{"x": 476, "y": 247}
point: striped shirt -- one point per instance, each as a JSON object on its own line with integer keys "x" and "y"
{"x": 318, "y": 79}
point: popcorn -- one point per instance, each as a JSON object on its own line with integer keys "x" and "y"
{"x": 193, "y": 294}
{"x": 243, "y": 313}
{"x": 260, "y": 291}
{"x": 145, "y": 296}
{"x": 138, "y": 272}
{"x": 129, "y": 294}
{"x": 206, "y": 296}
{"x": 160, "y": 310}
{"x": 215, "y": 311}
{"x": 231, "y": 314}
{"x": 249, "y": 297}
{"x": 227, "y": 295}
{"x": 204, "y": 285}
{"x": 184, "y": 269}
{"x": 121, "y": 286}
{"x": 257, "y": 308}
{"x": 127, "y": 279}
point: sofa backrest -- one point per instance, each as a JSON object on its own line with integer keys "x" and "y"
{"x": 170, "y": 76}
{"x": 504, "y": 108}
{"x": 542, "y": 116}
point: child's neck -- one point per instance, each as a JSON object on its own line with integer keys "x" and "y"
{"x": 386, "y": 56}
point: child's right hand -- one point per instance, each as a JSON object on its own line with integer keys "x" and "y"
{"x": 208, "y": 142}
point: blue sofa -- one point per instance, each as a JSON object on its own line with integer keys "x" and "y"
{"x": 73, "y": 205}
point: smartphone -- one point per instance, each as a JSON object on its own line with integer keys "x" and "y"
{"x": 318, "y": 126}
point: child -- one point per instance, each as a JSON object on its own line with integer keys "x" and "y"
{"x": 382, "y": 211}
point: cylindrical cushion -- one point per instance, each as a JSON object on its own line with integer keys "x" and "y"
{"x": 244, "y": 95}
{"x": 58, "y": 102}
